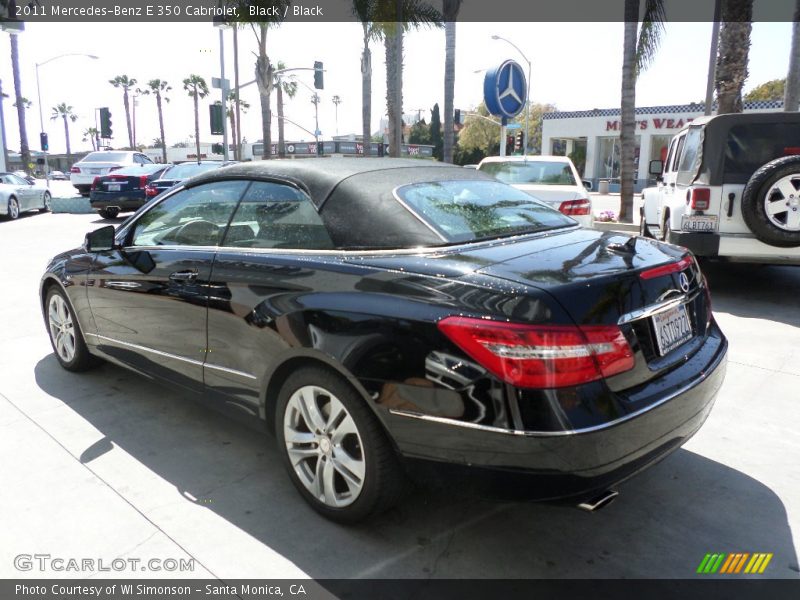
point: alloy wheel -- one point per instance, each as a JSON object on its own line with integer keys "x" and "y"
{"x": 13, "y": 208}
{"x": 324, "y": 446}
{"x": 782, "y": 203}
{"x": 62, "y": 329}
{"x": 47, "y": 199}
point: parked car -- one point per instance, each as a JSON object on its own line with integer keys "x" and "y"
{"x": 730, "y": 189}
{"x": 379, "y": 310}
{"x": 552, "y": 179}
{"x": 123, "y": 190}
{"x": 58, "y": 176}
{"x": 99, "y": 163}
{"x": 18, "y": 195}
{"x": 177, "y": 173}
{"x": 24, "y": 175}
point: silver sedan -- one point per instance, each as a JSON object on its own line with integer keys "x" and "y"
{"x": 17, "y": 195}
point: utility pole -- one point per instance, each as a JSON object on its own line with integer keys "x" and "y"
{"x": 336, "y": 102}
{"x": 315, "y": 99}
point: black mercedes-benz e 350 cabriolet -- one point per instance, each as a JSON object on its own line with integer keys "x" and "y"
{"x": 370, "y": 311}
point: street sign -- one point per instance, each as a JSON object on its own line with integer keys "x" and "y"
{"x": 505, "y": 89}
{"x": 217, "y": 83}
{"x": 514, "y": 126}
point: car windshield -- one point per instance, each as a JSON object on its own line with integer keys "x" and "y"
{"x": 107, "y": 157}
{"x": 472, "y": 210}
{"x": 139, "y": 170}
{"x": 187, "y": 170}
{"x": 540, "y": 172}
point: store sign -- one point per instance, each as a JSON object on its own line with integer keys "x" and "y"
{"x": 505, "y": 89}
{"x": 654, "y": 123}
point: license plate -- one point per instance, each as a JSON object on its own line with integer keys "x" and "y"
{"x": 95, "y": 171}
{"x": 699, "y": 223}
{"x": 114, "y": 187}
{"x": 672, "y": 329}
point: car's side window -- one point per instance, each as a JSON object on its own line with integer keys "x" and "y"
{"x": 193, "y": 217}
{"x": 678, "y": 148}
{"x": 275, "y": 215}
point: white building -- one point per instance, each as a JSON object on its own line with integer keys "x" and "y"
{"x": 591, "y": 137}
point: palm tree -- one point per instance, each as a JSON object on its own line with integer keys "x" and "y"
{"x": 791, "y": 96}
{"x": 638, "y": 52}
{"x": 286, "y": 86}
{"x": 231, "y": 112}
{"x": 197, "y": 88}
{"x": 450, "y": 10}
{"x": 395, "y": 19}
{"x": 159, "y": 88}
{"x": 64, "y": 111}
{"x": 21, "y": 103}
{"x": 365, "y": 12}
{"x": 126, "y": 83}
{"x": 91, "y": 135}
{"x": 732, "y": 56}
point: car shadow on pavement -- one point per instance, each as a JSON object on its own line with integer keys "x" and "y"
{"x": 744, "y": 290}
{"x": 662, "y": 525}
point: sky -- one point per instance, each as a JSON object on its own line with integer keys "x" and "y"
{"x": 575, "y": 66}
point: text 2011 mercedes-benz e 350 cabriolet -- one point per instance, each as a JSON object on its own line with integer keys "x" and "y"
{"x": 370, "y": 311}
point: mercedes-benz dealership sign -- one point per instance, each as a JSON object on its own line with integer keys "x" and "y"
{"x": 505, "y": 89}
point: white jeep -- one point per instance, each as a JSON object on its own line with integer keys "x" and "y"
{"x": 730, "y": 189}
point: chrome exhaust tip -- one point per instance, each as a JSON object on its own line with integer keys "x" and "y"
{"x": 600, "y": 501}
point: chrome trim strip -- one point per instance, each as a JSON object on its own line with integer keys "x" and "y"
{"x": 649, "y": 311}
{"x": 525, "y": 433}
{"x": 175, "y": 357}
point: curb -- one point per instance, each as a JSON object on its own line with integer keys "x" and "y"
{"x": 77, "y": 205}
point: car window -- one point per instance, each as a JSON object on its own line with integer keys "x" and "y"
{"x": 194, "y": 217}
{"x": 751, "y": 145}
{"x": 470, "y": 210}
{"x": 145, "y": 159}
{"x": 106, "y": 157}
{"x": 16, "y": 180}
{"x": 535, "y": 171}
{"x": 274, "y": 215}
{"x": 186, "y": 170}
{"x": 676, "y": 157}
{"x": 139, "y": 170}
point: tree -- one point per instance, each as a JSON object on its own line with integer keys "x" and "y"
{"x": 64, "y": 111}
{"x": 283, "y": 86}
{"x": 365, "y": 11}
{"x": 197, "y": 88}
{"x": 791, "y": 97}
{"x": 20, "y": 104}
{"x": 396, "y": 18}
{"x": 480, "y": 136}
{"x": 126, "y": 83}
{"x": 732, "y": 54}
{"x": 420, "y": 133}
{"x": 769, "y": 90}
{"x": 450, "y": 10}
{"x": 26, "y": 104}
{"x": 90, "y": 135}
{"x": 436, "y": 132}
{"x": 159, "y": 88}
{"x": 637, "y": 54}
{"x": 231, "y": 114}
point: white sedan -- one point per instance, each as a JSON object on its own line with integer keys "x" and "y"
{"x": 102, "y": 162}
{"x": 551, "y": 179}
{"x": 17, "y": 196}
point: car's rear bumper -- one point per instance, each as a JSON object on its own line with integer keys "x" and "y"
{"x": 569, "y": 463}
{"x": 102, "y": 200}
{"x": 734, "y": 247}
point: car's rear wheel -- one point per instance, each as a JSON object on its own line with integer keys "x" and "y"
{"x": 644, "y": 230}
{"x": 65, "y": 333}
{"x": 46, "y": 201}
{"x": 334, "y": 449}
{"x": 771, "y": 202}
{"x": 665, "y": 229}
{"x": 13, "y": 208}
{"x": 108, "y": 213}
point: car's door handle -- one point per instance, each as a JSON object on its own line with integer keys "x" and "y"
{"x": 183, "y": 276}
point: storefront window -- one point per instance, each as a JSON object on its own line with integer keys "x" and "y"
{"x": 608, "y": 157}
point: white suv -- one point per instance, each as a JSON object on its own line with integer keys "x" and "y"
{"x": 730, "y": 189}
{"x": 96, "y": 164}
{"x": 551, "y": 179}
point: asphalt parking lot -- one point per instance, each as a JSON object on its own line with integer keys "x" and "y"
{"x": 108, "y": 465}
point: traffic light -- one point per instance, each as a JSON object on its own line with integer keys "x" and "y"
{"x": 105, "y": 123}
{"x": 509, "y": 143}
{"x": 318, "y": 81}
{"x": 217, "y": 149}
{"x": 457, "y": 116}
{"x": 43, "y": 142}
{"x": 217, "y": 118}
{"x": 520, "y": 141}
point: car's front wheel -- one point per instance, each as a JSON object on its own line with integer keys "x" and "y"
{"x": 334, "y": 449}
{"x": 13, "y": 208}
{"x": 65, "y": 333}
{"x": 46, "y": 202}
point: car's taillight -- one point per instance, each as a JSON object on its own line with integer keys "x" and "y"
{"x": 142, "y": 181}
{"x": 95, "y": 181}
{"x": 576, "y": 207}
{"x": 75, "y": 170}
{"x": 698, "y": 198}
{"x": 541, "y": 356}
{"x": 150, "y": 190}
{"x": 667, "y": 269}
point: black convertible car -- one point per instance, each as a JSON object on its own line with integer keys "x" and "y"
{"x": 374, "y": 311}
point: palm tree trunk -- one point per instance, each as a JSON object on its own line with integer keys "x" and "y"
{"x": 25, "y": 152}
{"x": 627, "y": 137}
{"x": 196, "y": 123}
{"x": 128, "y": 117}
{"x": 237, "y": 152}
{"x": 66, "y": 137}
{"x": 281, "y": 140}
{"x": 791, "y": 97}
{"x": 161, "y": 127}
{"x": 734, "y": 48}
{"x": 450, "y": 12}
{"x": 393, "y": 43}
{"x": 234, "y": 132}
{"x": 264, "y": 83}
{"x": 366, "y": 94}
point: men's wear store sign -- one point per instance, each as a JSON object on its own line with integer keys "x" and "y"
{"x": 664, "y": 123}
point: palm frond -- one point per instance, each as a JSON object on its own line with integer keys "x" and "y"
{"x": 650, "y": 33}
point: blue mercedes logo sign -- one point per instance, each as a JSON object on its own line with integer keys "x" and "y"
{"x": 505, "y": 89}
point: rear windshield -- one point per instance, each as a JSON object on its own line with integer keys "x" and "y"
{"x": 139, "y": 170}
{"x": 187, "y": 170}
{"x": 539, "y": 172}
{"x": 463, "y": 211}
{"x": 752, "y": 145}
{"x": 107, "y": 157}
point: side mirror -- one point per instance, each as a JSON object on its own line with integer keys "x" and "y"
{"x": 656, "y": 166}
{"x": 100, "y": 240}
{"x": 587, "y": 184}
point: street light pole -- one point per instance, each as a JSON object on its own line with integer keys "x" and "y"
{"x": 224, "y": 95}
{"x": 39, "y": 97}
{"x": 527, "y": 93}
